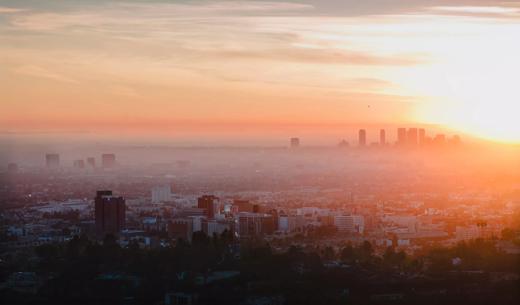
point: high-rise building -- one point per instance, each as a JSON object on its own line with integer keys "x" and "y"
{"x": 422, "y": 136}
{"x": 161, "y": 194}
{"x": 212, "y": 226}
{"x": 350, "y": 223}
{"x": 110, "y": 213}
{"x": 210, "y": 203}
{"x": 295, "y": 142}
{"x": 382, "y": 137}
{"x": 91, "y": 162}
{"x": 255, "y": 224}
{"x": 243, "y": 205}
{"x": 52, "y": 160}
{"x": 108, "y": 160}
{"x": 362, "y": 139}
{"x": 401, "y": 136}
{"x": 181, "y": 228}
{"x": 78, "y": 164}
{"x": 412, "y": 136}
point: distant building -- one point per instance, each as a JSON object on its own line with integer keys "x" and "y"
{"x": 210, "y": 203}
{"x": 343, "y": 144}
{"x": 181, "y": 228}
{"x": 80, "y": 164}
{"x": 161, "y": 194}
{"x": 439, "y": 139}
{"x": 295, "y": 142}
{"x": 255, "y": 224}
{"x": 12, "y": 168}
{"x": 212, "y": 226}
{"x": 108, "y": 160}
{"x": 362, "y": 137}
{"x": 91, "y": 162}
{"x": 243, "y": 205}
{"x": 290, "y": 223}
{"x": 422, "y": 136}
{"x": 350, "y": 223}
{"x": 110, "y": 213}
{"x": 467, "y": 233}
{"x": 401, "y": 136}
{"x": 382, "y": 137}
{"x": 52, "y": 160}
{"x": 412, "y": 136}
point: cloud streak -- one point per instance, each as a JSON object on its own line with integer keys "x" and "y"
{"x": 10, "y": 10}
{"x": 36, "y": 71}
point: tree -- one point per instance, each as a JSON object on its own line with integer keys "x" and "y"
{"x": 347, "y": 254}
{"x": 329, "y": 253}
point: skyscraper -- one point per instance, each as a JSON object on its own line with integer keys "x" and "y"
{"x": 210, "y": 203}
{"x": 91, "y": 162}
{"x": 412, "y": 136}
{"x": 161, "y": 194}
{"x": 109, "y": 213}
{"x": 401, "y": 136}
{"x": 295, "y": 142}
{"x": 382, "y": 137}
{"x": 362, "y": 139}
{"x": 108, "y": 160}
{"x": 422, "y": 136}
{"x": 78, "y": 164}
{"x": 52, "y": 160}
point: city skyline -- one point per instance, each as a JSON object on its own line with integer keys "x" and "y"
{"x": 259, "y": 152}
{"x": 317, "y": 64}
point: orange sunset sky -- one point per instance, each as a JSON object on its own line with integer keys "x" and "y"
{"x": 115, "y": 66}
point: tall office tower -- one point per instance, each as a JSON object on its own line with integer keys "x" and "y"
{"x": 210, "y": 203}
{"x": 161, "y": 194}
{"x": 412, "y": 136}
{"x": 78, "y": 164}
{"x": 295, "y": 142}
{"x": 91, "y": 162}
{"x": 181, "y": 228}
{"x": 422, "y": 136}
{"x": 382, "y": 137}
{"x": 108, "y": 160}
{"x": 401, "y": 136}
{"x": 52, "y": 160}
{"x": 362, "y": 139}
{"x": 255, "y": 224}
{"x": 109, "y": 213}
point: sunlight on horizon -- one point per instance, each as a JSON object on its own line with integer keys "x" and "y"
{"x": 260, "y": 62}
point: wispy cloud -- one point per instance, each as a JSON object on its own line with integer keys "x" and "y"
{"x": 477, "y": 9}
{"x": 10, "y": 10}
{"x": 36, "y": 71}
{"x": 504, "y": 10}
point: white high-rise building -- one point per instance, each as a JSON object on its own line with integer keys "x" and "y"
{"x": 350, "y": 223}
{"x": 161, "y": 194}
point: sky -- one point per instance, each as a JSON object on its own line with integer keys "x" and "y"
{"x": 155, "y": 67}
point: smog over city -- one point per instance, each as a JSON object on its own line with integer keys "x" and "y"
{"x": 259, "y": 152}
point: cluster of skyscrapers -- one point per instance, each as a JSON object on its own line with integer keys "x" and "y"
{"x": 405, "y": 137}
{"x": 52, "y": 160}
